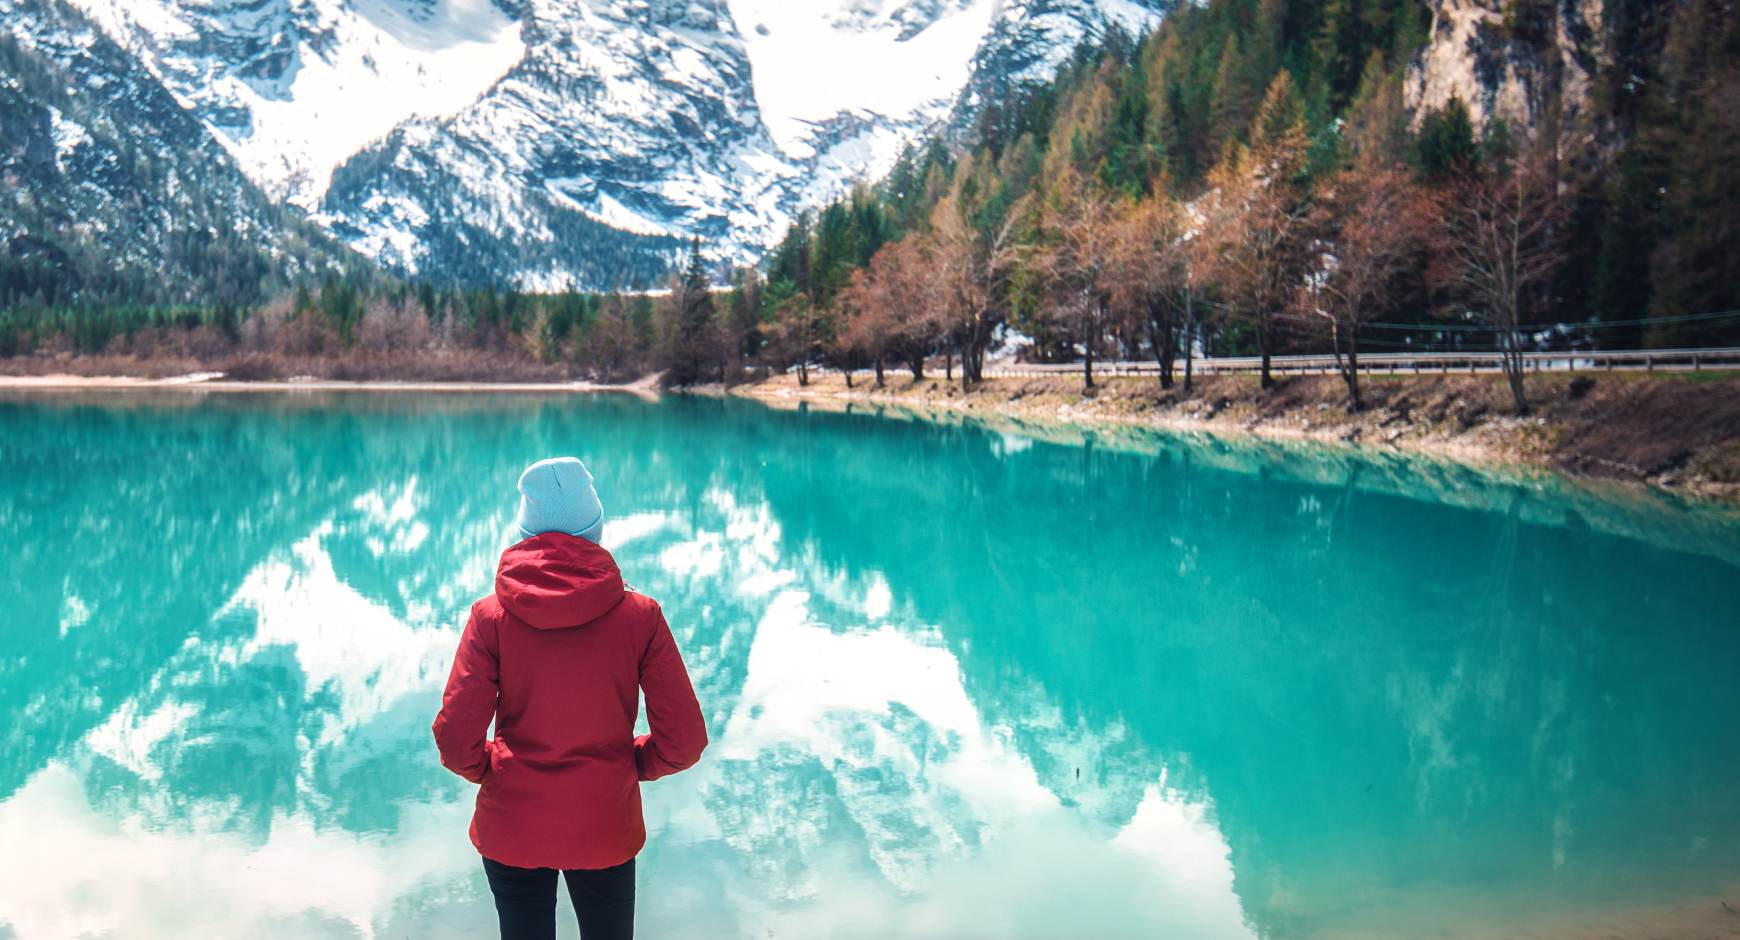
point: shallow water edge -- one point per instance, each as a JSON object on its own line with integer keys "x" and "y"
{"x": 1675, "y": 435}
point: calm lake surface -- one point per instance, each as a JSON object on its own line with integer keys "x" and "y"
{"x": 961, "y": 682}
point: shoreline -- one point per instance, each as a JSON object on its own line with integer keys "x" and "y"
{"x": 1127, "y": 414}
{"x": 214, "y": 382}
{"x": 1606, "y": 439}
{"x": 1662, "y": 433}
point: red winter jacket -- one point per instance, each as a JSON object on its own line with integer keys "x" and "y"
{"x": 556, "y": 656}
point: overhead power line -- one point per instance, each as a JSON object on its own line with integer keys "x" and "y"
{"x": 1534, "y": 328}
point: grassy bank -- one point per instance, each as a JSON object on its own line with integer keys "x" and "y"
{"x": 1680, "y": 431}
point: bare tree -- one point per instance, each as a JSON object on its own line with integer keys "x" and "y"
{"x": 971, "y": 267}
{"x": 1373, "y": 224}
{"x": 1198, "y": 255}
{"x": 1500, "y": 241}
{"x": 794, "y": 335}
{"x": 1077, "y": 260}
{"x": 1150, "y": 276}
{"x": 890, "y": 307}
{"x": 610, "y": 351}
{"x": 392, "y": 327}
{"x": 1255, "y": 214}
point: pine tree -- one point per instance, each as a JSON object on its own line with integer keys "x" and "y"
{"x": 1231, "y": 107}
{"x": 1445, "y": 147}
{"x": 1340, "y": 50}
{"x": 1131, "y": 159}
{"x": 1279, "y": 126}
{"x": 1695, "y": 268}
{"x": 694, "y": 353}
{"x": 1375, "y": 130}
{"x": 1269, "y": 38}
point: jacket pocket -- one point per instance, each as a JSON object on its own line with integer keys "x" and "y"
{"x": 501, "y": 757}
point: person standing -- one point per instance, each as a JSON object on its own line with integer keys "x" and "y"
{"x": 558, "y": 656}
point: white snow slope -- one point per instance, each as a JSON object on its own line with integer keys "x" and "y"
{"x": 529, "y": 137}
{"x": 294, "y": 87}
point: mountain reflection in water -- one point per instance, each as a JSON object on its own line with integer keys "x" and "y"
{"x": 960, "y": 682}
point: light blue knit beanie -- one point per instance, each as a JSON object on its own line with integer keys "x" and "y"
{"x": 556, "y": 495}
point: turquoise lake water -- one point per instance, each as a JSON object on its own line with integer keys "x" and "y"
{"x": 961, "y": 681}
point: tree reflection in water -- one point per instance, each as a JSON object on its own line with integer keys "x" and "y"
{"x": 960, "y": 681}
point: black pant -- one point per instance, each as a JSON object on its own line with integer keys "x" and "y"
{"x": 525, "y": 900}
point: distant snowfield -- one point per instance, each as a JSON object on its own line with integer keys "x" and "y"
{"x": 655, "y": 119}
{"x": 811, "y": 65}
{"x": 386, "y": 69}
{"x": 380, "y": 68}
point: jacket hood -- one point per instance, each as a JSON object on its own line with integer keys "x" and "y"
{"x": 554, "y": 580}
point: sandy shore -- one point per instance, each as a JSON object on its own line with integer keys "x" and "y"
{"x": 1701, "y": 919}
{"x": 215, "y": 382}
{"x": 1711, "y": 917}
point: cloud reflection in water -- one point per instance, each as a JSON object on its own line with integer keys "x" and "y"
{"x": 853, "y": 788}
{"x": 960, "y": 681}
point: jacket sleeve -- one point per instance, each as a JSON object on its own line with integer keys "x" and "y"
{"x": 678, "y": 731}
{"x": 468, "y": 704}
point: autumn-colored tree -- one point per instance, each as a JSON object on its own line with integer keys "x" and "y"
{"x": 1149, "y": 276}
{"x": 1230, "y": 107}
{"x": 1372, "y": 222}
{"x": 890, "y": 307}
{"x": 1375, "y": 129}
{"x": 1254, "y": 217}
{"x": 972, "y": 265}
{"x": 864, "y": 326}
{"x": 795, "y": 335}
{"x": 611, "y": 350}
{"x": 1077, "y": 260}
{"x": 1499, "y": 241}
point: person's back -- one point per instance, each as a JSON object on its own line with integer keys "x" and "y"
{"x": 557, "y": 657}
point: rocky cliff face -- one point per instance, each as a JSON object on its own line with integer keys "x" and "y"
{"x": 1521, "y": 61}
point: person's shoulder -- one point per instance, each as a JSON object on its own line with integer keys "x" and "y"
{"x": 488, "y": 610}
{"x": 639, "y": 606}
{"x": 636, "y": 601}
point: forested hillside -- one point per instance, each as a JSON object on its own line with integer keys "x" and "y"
{"x": 1254, "y": 177}
{"x": 1251, "y": 178}
{"x": 120, "y": 209}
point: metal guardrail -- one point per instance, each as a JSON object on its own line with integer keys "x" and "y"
{"x": 1635, "y": 360}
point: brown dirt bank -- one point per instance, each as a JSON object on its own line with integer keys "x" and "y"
{"x": 1680, "y": 431}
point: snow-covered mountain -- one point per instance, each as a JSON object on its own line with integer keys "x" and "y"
{"x": 113, "y": 189}
{"x": 550, "y": 142}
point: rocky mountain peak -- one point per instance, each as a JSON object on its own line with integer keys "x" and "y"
{"x": 557, "y": 142}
